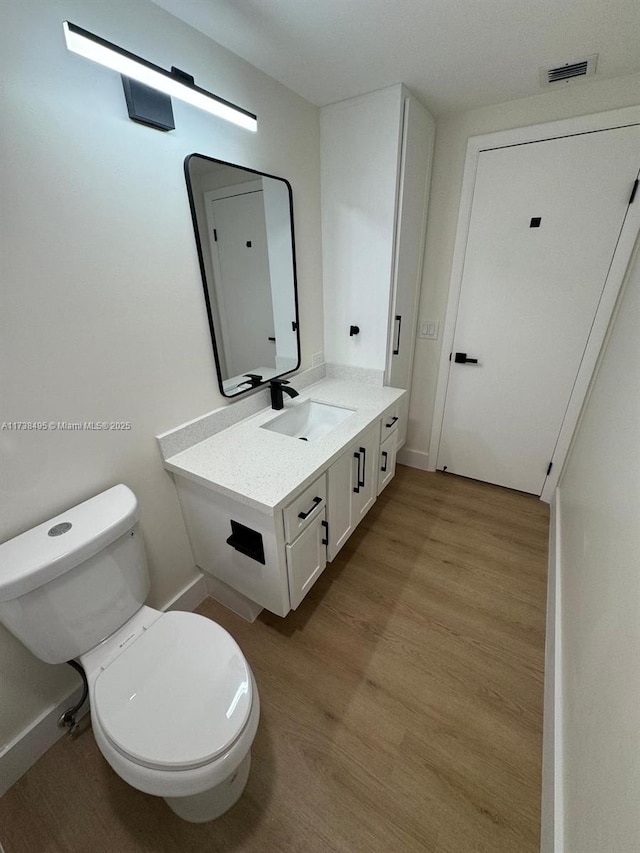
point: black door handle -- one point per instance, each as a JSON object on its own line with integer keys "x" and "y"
{"x": 364, "y": 465}
{"x": 356, "y": 488}
{"x": 304, "y": 515}
{"x": 325, "y": 524}
{"x": 383, "y": 468}
{"x": 391, "y": 422}
{"x": 461, "y": 358}
{"x": 398, "y": 320}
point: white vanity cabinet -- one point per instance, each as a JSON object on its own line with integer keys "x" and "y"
{"x": 376, "y": 153}
{"x": 265, "y": 512}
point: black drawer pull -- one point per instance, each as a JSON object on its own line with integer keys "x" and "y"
{"x": 304, "y": 515}
{"x": 384, "y": 456}
{"x": 356, "y": 488}
{"x": 391, "y": 422}
{"x": 325, "y": 524}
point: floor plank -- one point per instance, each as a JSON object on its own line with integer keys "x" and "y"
{"x": 401, "y": 702}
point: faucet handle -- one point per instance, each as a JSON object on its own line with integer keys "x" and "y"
{"x": 277, "y": 381}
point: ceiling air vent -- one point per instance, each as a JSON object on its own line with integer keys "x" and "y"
{"x": 584, "y": 67}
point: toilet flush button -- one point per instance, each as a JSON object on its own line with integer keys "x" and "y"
{"x": 59, "y": 529}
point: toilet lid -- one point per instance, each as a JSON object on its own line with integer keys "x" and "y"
{"x": 178, "y": 696}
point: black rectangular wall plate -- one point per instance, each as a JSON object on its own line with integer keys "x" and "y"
{"x": 147, "y": 105}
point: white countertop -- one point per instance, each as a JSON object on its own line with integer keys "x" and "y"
{"x": 262, "y": 468}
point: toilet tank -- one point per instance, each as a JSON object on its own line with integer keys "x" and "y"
{"x": 72, "y": 581}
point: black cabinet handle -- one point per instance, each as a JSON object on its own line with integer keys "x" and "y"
{"x": 398, "y": 320}
{"x": 461, "y": 358}
{"x": 384, "y": 456}
{"x": 391, "y": 422}
{"x": 325, "y": 524}
{"x": 356, "y": 488}
{"x": 363, "y": 450}
{"x": 304, "y": 515}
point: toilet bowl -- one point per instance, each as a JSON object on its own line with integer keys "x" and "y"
{"x": 174, "y": 704}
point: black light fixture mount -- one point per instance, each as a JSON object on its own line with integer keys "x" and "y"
{"x": 148, "y": 106}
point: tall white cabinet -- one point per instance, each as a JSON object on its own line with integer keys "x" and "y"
{"x": 376, "y": 153}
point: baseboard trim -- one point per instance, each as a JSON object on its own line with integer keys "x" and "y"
{"x": 193, "y": 594}
{"x": 413, "y": 458}
{"x": 34, "y": 740}
{"x": 552, "y": 818}
{"x": 233, "y": 600}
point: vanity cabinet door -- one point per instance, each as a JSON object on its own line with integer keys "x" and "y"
{"x": 365, "y": 490}
{"x": 341, "y": 480}
{"x": 306, "y": 559}
{"x": 352, "y": 488}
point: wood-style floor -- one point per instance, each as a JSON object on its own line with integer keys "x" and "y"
{"x": 401, "y": 703}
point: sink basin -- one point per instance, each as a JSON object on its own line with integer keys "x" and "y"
{"x": 308, "y": 420}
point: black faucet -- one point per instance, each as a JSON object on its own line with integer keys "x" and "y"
{"x": 254, "y": 379}
{"x": 277, "y": 387}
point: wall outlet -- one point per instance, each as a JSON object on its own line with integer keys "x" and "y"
{"x": 317, "y": 359}
{"x": 429, "y": 330}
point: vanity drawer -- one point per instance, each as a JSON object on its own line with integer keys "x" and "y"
{"x": 390, "y": 421}
{"x": 305, "y": 508}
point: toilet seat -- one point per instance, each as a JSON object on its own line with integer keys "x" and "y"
{"x": 178, "y": 697}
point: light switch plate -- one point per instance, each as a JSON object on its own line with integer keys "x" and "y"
{"x": 429, "y": 330}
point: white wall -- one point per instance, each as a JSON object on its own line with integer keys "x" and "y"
{"x": 452, "y": 133}
{"x": 599, "y": 496}
{"x": 102, "y": 306}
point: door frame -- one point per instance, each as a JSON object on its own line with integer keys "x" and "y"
{"x": 210, "y": 196}
{"x": 622, "y": 255}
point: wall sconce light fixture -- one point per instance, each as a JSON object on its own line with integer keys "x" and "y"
{"x": 174, "y": 83}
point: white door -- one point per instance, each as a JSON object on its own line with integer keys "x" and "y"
{"x": 544, "y": 224}
{"x": 243, "y": 287}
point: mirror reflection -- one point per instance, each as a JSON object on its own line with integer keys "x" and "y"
{"x": 243, "y": 223}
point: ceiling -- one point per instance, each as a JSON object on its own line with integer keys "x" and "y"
{"x": 454, "y": 55}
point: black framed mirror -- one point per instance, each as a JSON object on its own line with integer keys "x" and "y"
{"x": 243, "y": 226}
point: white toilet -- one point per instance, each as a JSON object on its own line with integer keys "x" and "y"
{"x": 174, "y": 705}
